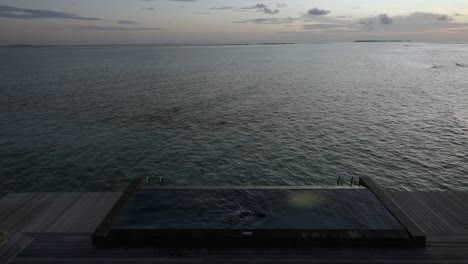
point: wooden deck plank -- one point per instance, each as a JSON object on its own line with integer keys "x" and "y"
{"x": 84, "y": 221}
{"x": 16, "y": 243}
{"x": 54, "y": 212}
{"x": 415, "y": 211}
{"x": 420, "y": 209}
{"x": 456, "y": 204}
{"x": 442, "y": 222}
{"x": 63, "y": 223}
{"x": 443, "y": 208}
{"x": 25, "y": 214}
{"x": 452, "y": 210}
{"x": 461, "y": 199}
{"x": 51, "y": 217}
{"x": 93, "y": 218}
{"x": 10, "y": 202}
{"x": 109, "y": 200}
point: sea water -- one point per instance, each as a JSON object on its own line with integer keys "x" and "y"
{"x": 90, "y": 118}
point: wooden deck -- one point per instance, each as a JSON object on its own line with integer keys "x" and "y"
{"x": 56, "y": 228}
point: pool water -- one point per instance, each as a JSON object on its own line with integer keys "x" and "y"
{"x": 260, "y": 209}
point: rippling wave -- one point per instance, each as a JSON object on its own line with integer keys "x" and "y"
{"x": 91, "y": 119}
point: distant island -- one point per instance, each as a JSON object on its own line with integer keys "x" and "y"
{"x": 282, "y": 43}
{"x": 377, "y": 40}
{"x": 18, "y": 46}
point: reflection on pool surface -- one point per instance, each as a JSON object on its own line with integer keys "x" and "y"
{"x": 328, "y": 209}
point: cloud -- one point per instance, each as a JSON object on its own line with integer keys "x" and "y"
{"x": 257, "y": 6}
{"x": 270, "y": 21}
{"x": 385, "y": 19}
{"x": 109, "y": 28}
{"x": 421, "y": 18}
{"x": 148, "y": 8}
{"x": 265, "y": 8}
{"x": 416, "y": 26}
{"x": 25, "y": 13}
{"x": 270, "y": 11}
{"x": 444, "y": 18}
{"x": 384, "y": 23}
{"x": 418, "y": 21}
{"x": 127, "y": 22}
{"x": 369, "y": 24}
{"x": 318, "y": 12}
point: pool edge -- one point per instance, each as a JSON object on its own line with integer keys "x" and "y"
{"x": 415, "y": 231}
{"x": 100, "y": 233}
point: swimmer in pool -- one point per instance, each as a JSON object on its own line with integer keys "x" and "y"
{"x": 250, "y": 213}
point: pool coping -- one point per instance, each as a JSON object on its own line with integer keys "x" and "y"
{"x": 297, "y": 187}
{"x": 105, "y": 226}
{"x": 415, "y": 231}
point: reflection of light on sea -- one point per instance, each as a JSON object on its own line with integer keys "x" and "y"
{"x": 304, "y": 200}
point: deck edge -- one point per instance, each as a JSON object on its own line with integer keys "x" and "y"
{"x": 414, "y": 230}
{"x": 103, "y": 228}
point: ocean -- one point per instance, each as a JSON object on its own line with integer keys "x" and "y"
{"x": 90, "y": 118}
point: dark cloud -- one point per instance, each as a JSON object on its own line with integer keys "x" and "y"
{"x": 266, "y": 9}
{"x": 444, "y": 18}
{"x": 318, "y": 12}
{"x": 458, "y": 14}
{"x": 385, "y": 19}
{"x": 24, "y": 13}
{"x": 285, "y": 20}
{"x": 263, "y": 8}
{"x": 148, "y": 8}
{"x": 257, "y": 6}
{"x": 270, "y": 11}
{"x": 203, "y": 13}
{"x": 110, "y": 28}
{"x": 127, "y": 22}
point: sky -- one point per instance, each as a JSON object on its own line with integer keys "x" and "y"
{"x": 78, "y": 22}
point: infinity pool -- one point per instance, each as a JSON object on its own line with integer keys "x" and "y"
{"x": 342, "y": 209}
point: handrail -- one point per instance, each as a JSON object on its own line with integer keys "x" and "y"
{"x": 353, "y": 181}
{"x": 339, "y": 181}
